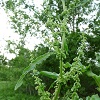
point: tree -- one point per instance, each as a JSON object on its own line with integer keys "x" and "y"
{"x": 52, "y": 11}
{"x": 22, "y": 60}
{"x": 62, "y": 26}
{"x": 3, "y": 60}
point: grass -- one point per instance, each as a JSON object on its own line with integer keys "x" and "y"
{"x": 7, "y": 92}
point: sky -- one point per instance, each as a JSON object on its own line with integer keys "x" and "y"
{"x": 6, "y": 33}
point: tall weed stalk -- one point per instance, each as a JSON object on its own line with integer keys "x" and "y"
{"x": 68, "y": 72}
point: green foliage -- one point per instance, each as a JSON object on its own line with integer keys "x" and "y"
{"x": 98, "y": 59}
{"x": 32, "y": 67}
{"x": 96, "y": 78}
{"x": 3, "y": 60}
{"x": 49, "y": 74}
{"x": 62, "y": 34}
{"x": 76, "y": 68}
{"x": 7, "y": 92}
{"x": 8, "y": 79}
{"x": 93, "y": 97}
{"x": 9, "y": 73}
{"x": 44, "y": 95}
{"x": 37, "y": 61}
{"x": 22, "y": 59}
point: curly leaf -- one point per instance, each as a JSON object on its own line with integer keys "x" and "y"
{"x": 32, "y": 66}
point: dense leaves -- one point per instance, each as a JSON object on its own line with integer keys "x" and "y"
{"x": 22, "y": 60}
{"x": 72, "y": 31}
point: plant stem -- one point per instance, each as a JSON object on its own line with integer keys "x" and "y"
{"x": 61, "y": 59}
{"x": 61, "y": 65}
{"x": 63, "y": 3}
{"x": 57, "y": 92}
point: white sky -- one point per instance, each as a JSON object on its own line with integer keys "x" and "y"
{"x": 6, "y": 33}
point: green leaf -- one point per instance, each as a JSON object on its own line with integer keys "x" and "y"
{"x": 96, "y": 77}
{"x": 83, "y": 3}
{"x": 32, "y": 66}
{"x": 52, "y": 75}
{"x": 20, "y": 82}
{"x": 93, "y": 97}
{"x": 38, "y": 60}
